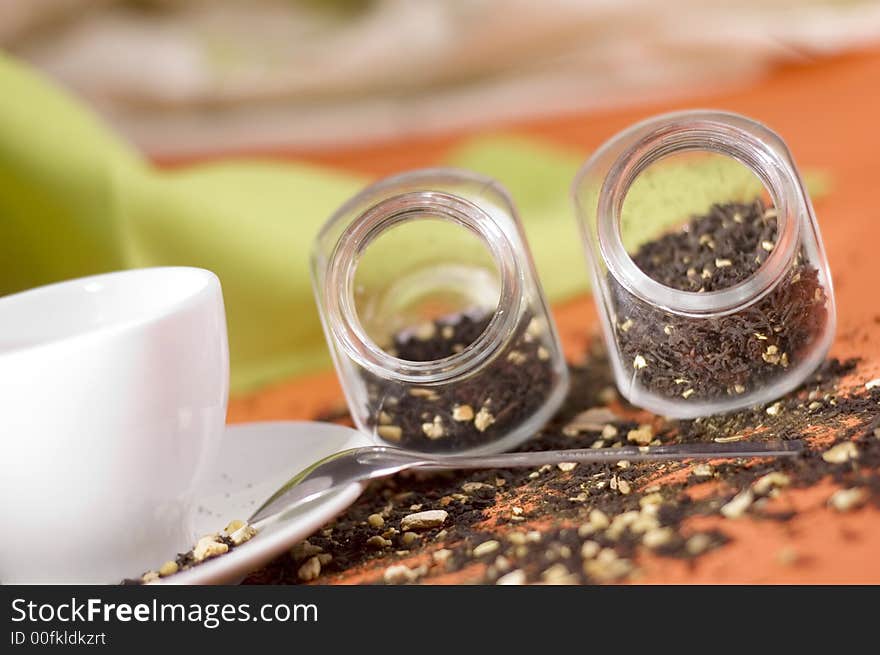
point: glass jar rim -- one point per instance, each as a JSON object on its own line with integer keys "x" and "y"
{"x": 395, "y": 210}
{"x": 748, "y": 142}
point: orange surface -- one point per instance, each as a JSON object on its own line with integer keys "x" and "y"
{"x": 828, "y": 113}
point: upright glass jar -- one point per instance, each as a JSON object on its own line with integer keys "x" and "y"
{"x": 735, "y": 307}
{"x": 431, "y": 306}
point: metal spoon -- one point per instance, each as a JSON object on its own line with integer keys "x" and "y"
{"x": 371, "y": 462}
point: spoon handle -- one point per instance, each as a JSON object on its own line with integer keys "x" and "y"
{"x": 362, "y": 464}
{"x": 672, "y": 452}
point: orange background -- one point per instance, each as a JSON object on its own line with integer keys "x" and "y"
{"x": 829, "y": 114}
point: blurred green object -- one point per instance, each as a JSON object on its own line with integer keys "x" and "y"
{"x": 76, "y": 201}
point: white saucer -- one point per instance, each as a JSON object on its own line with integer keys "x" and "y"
{"x": 255, "y": 460}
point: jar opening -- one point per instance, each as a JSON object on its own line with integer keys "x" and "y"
{"x": 425, "y": 283}
{"x": 390, "y": 310}
{"x": 719, "y": 134}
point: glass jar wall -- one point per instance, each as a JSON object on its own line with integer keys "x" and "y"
{"x": 707, "y": 264}
{"x": 438, "y": 325}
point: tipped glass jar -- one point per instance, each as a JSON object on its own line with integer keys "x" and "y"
{"x": 707, "y": 264}
{"x": 437, "y": 323}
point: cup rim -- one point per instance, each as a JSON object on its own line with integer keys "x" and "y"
{"x": 203, "y": 281}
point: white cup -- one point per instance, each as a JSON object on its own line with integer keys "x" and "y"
{"x": 113, "y": 394}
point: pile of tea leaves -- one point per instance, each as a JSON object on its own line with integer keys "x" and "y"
{"x": 694, "y": 358}
{"x": 472, "y": 412}
{"x": 592, "y": 523}
{"x": 713, "y": 251}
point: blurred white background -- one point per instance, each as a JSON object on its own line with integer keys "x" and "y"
{"x": 193, "y": 76}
